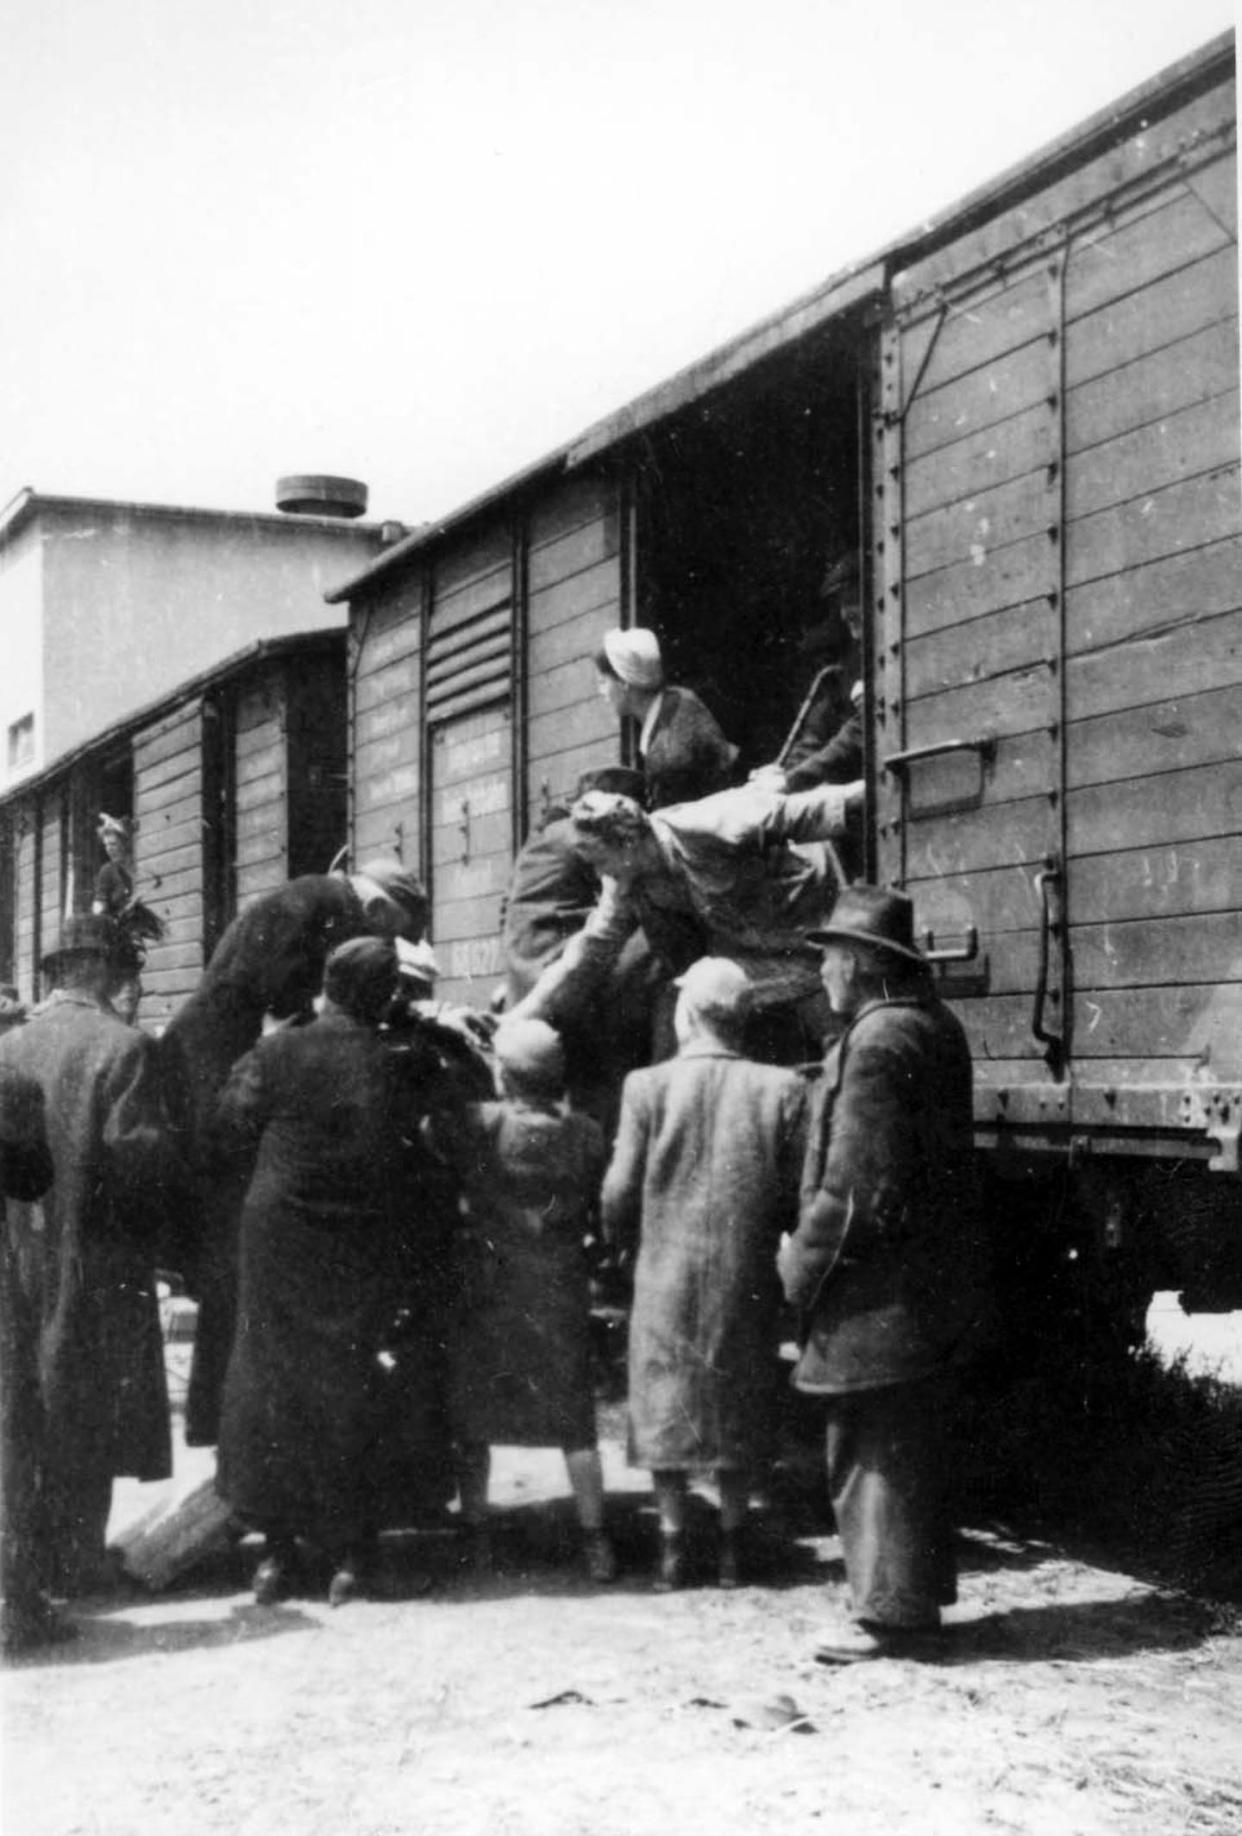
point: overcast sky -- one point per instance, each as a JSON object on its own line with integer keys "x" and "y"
{"x": 423, "y": 241}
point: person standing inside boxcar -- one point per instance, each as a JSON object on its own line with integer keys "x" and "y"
{"x": 25, "y": 1173}
{"x": 269, "y": 962}
{"x": 328, "y": 1114}
{"x": 886, "y": 1271}
{"x": 684, "y": 754}
{"x": 703, "y": 1179}
{"x": 82, "y": 1259}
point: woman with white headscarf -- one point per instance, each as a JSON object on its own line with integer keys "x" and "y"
{"x": 684, "y": 754}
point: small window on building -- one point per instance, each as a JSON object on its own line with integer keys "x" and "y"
{"x": 21, "y": 742}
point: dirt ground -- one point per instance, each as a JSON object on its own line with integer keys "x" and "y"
{"x": 529, "y": 1703}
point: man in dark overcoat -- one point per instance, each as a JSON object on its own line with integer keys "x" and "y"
{"x": 886, "y": 1269}
{"x": 81, "y": 1259}
{"x": 268, "y": 962}
{"x": 703, "y": 1179}
{"x": 25, "y": 1173}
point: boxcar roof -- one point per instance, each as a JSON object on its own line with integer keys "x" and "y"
{"x": 260, "y": 651}
{"x": 847, "y": 287}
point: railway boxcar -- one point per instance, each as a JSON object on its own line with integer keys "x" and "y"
{"x": 1024, "y": 421}
{"x": 234, "y": 783}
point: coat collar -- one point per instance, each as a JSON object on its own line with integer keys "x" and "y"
{"x": 706, "y": 1048}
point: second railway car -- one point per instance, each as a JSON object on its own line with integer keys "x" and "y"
{"x": 1024, "y": 420}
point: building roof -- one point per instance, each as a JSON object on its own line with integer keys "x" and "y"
{"x": 849, "y": 286}
{"x": 29, "y": 504}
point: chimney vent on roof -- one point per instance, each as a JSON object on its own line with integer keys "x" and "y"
{"x": 313, "y": 494}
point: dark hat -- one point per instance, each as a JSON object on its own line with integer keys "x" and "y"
{"x": 876, "y": 915}
{"x": 621, "y": 780}
{"x": 84, "y": 934}
{"x": 397, "y": 883}
{"x": 360, "y": 976}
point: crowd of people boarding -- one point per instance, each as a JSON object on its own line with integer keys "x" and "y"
{"x": 386, "y": 1207}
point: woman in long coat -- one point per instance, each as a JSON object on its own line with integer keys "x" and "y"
{"x": 332, "y": 1117}
{"x": 704, "y": 1175}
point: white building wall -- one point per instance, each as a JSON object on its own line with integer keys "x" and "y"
{"x": 139, "y": 601}
{"x": 21, "y": 652}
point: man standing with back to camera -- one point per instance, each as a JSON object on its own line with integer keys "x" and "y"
{"x": 269, "y": 962}
{"x": 886, "y": 1270}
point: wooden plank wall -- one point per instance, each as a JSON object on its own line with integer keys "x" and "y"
{"x": 977, "y": 643}
{"x": 469, "y": 714}
{"x": 1080, "y": 429}
{"x": 26, "y": 897}
{"x": 1154, "y": 633}
{"x": 574, "y": 576}
{"x": 168, "y": 854}
{"x": 261, "y": 781}
{"x": 52, "y": 824}
{"x": 385, "y": 663}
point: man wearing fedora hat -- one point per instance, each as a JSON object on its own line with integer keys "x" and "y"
{"x": 81, "y": 1261}
{"x": 885, "y": 1268}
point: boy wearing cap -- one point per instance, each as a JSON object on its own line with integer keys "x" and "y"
{"x": 520, "y": 1348}
{"x": 886, "y": 1270}
{"x": 703, "y": 1178}
{"x": 684, "y": 754}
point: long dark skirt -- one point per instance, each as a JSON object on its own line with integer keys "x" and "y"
{"x": 302, "y": 1392}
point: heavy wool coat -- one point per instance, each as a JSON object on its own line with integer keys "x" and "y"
{"x": 270, "y": 959}
{"x": 25, "y": 1173}
{"x": 321, "y": 1268}
{"x": 886, "y": 1266}
{"x": 82, "y": 1255}
{"x": 520, "y": 1344}
{"x": 705, "y": 1175}
{"x": 686, "y": 755}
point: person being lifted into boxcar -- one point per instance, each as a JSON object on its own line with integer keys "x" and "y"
{"x": 81, "y": 1262}
{"x": 703, "y": 1179}
{"x": 29, "y": 1617}
{"x": 269, "y": 962}
{"x": 330, "y": 1115}
{"x": 552, "y": 892}
{"x": 886, "y": 1270}
{"x": 721, "y": 876}
{"x": 683, "y": 752}
{"x": 520, "y": 1351}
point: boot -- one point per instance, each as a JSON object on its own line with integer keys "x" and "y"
{"x": 671, "y": 1569}
{"x": 601, "y": 1557}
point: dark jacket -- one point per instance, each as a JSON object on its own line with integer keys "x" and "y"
{"x": 25, "y": 1158}
{"x": 687, "y": 756}
{"x": 552, "y": 893}
{"x": 270, "y": 959}
{"x": 885, "y": 1266}
{"x": 83, "y": 1254}
{"x": 704, "y": 1179}
{"x": 335, "y": 1124}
